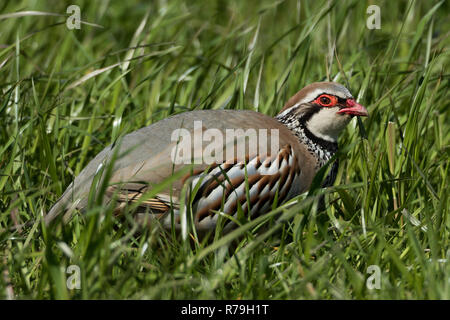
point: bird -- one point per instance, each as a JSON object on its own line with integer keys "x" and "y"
{"x": 292, "y": 148}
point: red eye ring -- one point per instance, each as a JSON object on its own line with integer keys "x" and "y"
{"x": 326, "y": 100}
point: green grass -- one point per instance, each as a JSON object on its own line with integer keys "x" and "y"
{"x": 389, "y": 206}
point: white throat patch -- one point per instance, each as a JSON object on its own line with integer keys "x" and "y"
{"x": 327, "y": 124}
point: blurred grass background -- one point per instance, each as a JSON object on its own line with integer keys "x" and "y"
{"x": 66, "y": 94}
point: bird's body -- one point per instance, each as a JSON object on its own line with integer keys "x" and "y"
{"x": 290, "y": 149}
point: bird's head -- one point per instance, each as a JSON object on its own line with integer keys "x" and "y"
{"x": 324, "y": 108}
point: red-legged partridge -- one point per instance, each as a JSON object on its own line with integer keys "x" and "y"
{"x": 222, "y": 159}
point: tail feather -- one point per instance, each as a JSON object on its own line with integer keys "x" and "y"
{"x": 60, "y": 207}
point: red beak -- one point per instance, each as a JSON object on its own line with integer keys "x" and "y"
{"x": 354, "y": 109}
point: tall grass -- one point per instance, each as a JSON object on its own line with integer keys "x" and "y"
{"x": 66, "y": 94}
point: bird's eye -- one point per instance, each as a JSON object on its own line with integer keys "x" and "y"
{"x": 326, "y": 100}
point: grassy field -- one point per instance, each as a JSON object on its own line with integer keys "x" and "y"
{"x": 66, "y": 94}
